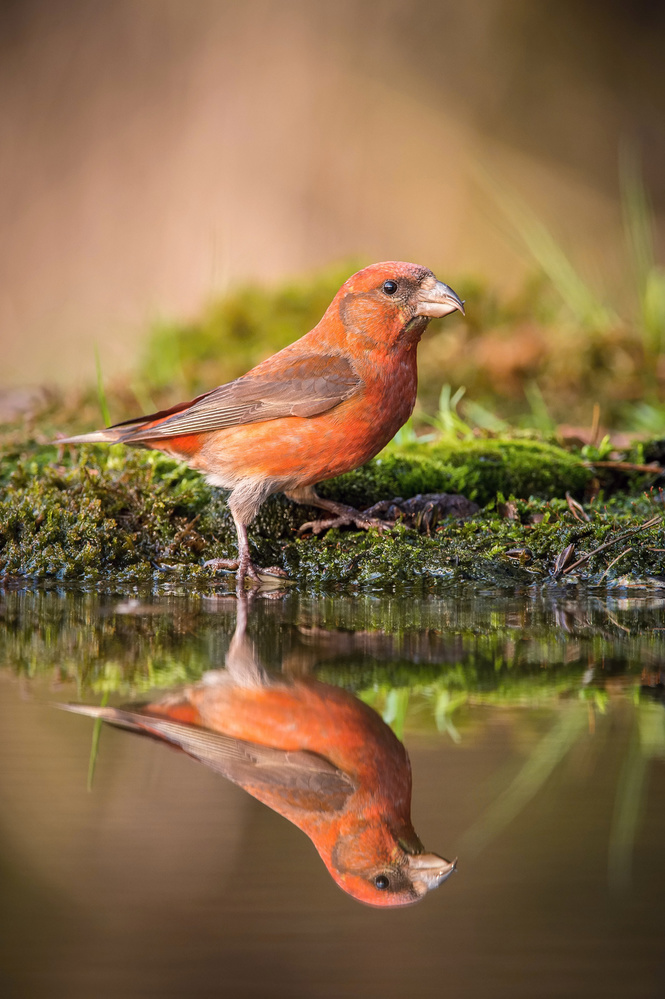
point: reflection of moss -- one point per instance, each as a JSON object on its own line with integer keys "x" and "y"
{"x": 493, "y": 649}
{"x": 130, "y": 515}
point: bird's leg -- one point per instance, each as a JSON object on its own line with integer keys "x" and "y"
{"x": 242, "y": 664}
{"x": 244, "y": 565}
{"x": 342, "y": 515}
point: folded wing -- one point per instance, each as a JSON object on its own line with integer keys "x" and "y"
{"x": 305, "y": 387}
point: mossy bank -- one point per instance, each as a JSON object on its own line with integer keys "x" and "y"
{"x": 114, "y": 516}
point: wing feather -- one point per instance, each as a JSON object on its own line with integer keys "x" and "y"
{"x": 305, "y": 387}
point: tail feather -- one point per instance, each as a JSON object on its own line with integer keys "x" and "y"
{"x": 109, "y": 436}
{"x": 115, "y": 716}
{"x": 129, "y": 430}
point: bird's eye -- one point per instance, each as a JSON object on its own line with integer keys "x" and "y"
{"x": 390, "y": 287}
{"x": 381, "y": 882}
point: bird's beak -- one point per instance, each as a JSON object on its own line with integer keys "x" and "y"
{"x": 436, "y": 299}
{"x": 427, "y": 870}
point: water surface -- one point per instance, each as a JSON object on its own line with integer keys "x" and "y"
{"x": 535, "y": 726}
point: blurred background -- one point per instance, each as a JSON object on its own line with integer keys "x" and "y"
{"x": 157, "y": 155}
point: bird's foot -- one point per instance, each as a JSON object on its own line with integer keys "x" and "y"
{"x": 347, "y": 518}
{"x": 230, "y": 564}
{"x": 245, "y": 569}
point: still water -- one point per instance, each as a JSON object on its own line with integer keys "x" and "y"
{"x": 535, "y": 727}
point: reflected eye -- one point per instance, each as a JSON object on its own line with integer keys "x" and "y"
{"x": 381, "y": 881}
{"x": 390, "y": 287}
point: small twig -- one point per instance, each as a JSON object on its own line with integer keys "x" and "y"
{"x": 614, "y": 620}
{"x": 562, "y": 560}
{"x": 614, "y": 562}
{"x": 627, "y": 466}
{"x": 576, "y": 509}
{"x": 608, "y": 544}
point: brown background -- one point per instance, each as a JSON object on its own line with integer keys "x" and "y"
{"x": 155, "y": 151}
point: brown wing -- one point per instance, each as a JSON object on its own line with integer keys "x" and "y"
{"x": 295, "y": 779}
{"x": 305, "y": 386}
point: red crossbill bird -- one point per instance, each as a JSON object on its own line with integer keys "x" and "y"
{"x": 322, "y": 406}
{"x": 312, "y": 752}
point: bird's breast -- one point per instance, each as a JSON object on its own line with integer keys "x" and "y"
{"x": 300, "y": 451}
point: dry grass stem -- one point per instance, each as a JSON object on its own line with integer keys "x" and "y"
{"x": 608, "y": 544}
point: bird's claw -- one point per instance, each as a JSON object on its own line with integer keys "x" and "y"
{"x": 259, "y": 576}
{"x": 224, "y": 564}
{"x": 272, "y": 570}
{"x": 346, "y": 520}
{"x": 245, "y": 570}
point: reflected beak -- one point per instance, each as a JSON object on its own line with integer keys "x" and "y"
{"x": 436, "y": 299}
{"x": 428, "y": 870}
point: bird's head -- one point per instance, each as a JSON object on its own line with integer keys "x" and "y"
{"x": 384, "y": 867}
{"x": 393, "y": 301}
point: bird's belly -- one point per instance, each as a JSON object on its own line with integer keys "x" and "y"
{"x": 296, "y": 451}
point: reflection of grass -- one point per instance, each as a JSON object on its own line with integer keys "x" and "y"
{"x": 424, "y": 664}
{"x": 647, "y": 743}
{"x": 94, "y": 748}
{"x": 424, "y": 708}
{"x": 395, "y": 709}
{"x": 497, "y": 648}
{"x": 427, "y": 707}
{"x": 570, "y": 725}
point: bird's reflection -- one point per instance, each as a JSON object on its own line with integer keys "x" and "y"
{"x": 315, "y": 754}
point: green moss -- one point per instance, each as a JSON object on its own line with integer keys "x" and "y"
{"x": 110, "y": 511}
{"x": 478, "y": 469}
{"x": 124, "y": 516}
{"x": 461, "y": 642}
